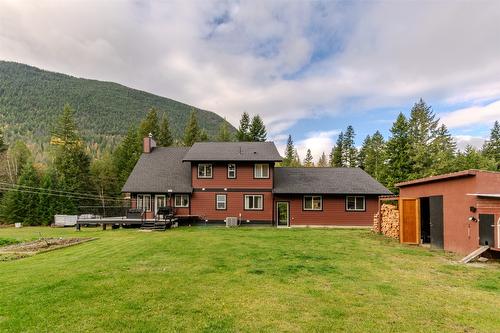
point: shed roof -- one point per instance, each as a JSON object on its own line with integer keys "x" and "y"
{"x": 446, "y": 176}
{"x": 162, "y": 170}
{"x": 326, "y": 181}
{"x": 233, "y": 151}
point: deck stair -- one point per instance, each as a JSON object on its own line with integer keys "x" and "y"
{"x": 474, "y": 254}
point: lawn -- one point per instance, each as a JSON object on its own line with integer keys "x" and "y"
{"x": 225, "y": 280}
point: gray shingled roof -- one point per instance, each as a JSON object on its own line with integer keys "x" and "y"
{"x": 233, "y": 151}
{"x": 160, "y": 171}
{"x": 326, "y": 181}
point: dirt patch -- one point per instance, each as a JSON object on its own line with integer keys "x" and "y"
{"x": 26, "y": 249}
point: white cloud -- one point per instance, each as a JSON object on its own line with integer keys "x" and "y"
{"x": 470, "y": 116}
{"x": 465, "y": 140}
{"x": 318, "y": 142}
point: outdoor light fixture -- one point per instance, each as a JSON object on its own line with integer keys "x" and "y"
{"x": 472, "y": 219}
{"x": 472, "y": 209}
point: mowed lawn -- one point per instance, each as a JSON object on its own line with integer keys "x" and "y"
{"x": 224, "y": 280}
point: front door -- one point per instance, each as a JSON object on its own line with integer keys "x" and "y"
{"x": 436, "y": 221}
{"x": 486, "y": 222}
{"x": 409, "y": 220}
{"x": 283, "y": 214}
{"x": 159, "y": 202}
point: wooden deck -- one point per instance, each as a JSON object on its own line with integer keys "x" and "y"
{"x": 121, "y": 221}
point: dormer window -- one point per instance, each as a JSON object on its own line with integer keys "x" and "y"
{"x": 261, "y": 170}
{"x": 231, "y": 170}
{"x": 204, "y": 170}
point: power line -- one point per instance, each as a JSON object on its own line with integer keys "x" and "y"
{"x": 4, "y": 189}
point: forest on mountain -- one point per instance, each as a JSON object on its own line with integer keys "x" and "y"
{"x": 31, "y": 100}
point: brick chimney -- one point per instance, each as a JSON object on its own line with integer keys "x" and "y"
{"x": 148, "y": 144}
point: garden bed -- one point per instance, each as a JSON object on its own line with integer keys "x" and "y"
{"x": 26, "y": 249}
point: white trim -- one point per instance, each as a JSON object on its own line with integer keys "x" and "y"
{"x": 141, "y": 201}
{"x": 253, "y": 201}
{"x": 355, "y": 203}
{"x": 164, "y": 201}
{"x": 287, "y": 214}
{"x": 233, "y": 164}
{"x": 181, "y": 196}
{"x": 498, "y": 234}
{"x": 205, "y": 166}
{"x": 217, "y": 201}
{"x": 261, "y": 167}
{"x": 312, "y": 202}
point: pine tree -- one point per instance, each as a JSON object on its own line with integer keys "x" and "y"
{"x": 164, "y": 137}
{"x": 127, "y": 154}
{"x": 322, "y": 162}
{"x": 338, "y": 152}
{"x": 3, "y": 146}
{"x": 443, "y": 149}
{"x": 243, "y": 133}
{"x": 203, "y": 137}
{"x": 192, "y": 131}
{"x": 398, "y": 154}
{"x": 471, "y": 158}
{"x": 350, "y": 153}
{"x": 71, "y": 161}
{"x": 296, "y": 159}
{"x": 224, "y": 135}
{"x": 308, "y": 161}
{"x": 257, "y": 130}
{"x": 48, "y": 205}
{"x": 150, "y": 125}
{"x": 374, "y": 156}
{"x": 289, "y": 153}
{"x": 491, "y": 148}
{"x": 331, "y": 157}
{"x": 422, "y": 132}
{"x": 365, "y": 147}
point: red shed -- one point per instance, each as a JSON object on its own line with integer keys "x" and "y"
{"x": 457, "y": 212}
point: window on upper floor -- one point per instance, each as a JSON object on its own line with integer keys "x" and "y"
{"x": 313, "y": 202}
{"x": 181, "y": 200}
{"x": 231, "y": 170}
{"x": 254, "y": 202}
{"x": 205, "y": 170}
{"x": 261, "y": 170}
{"x": 355, "y": 203}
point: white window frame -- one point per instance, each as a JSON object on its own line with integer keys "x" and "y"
{"x": 261, "y": 167}
{"x": 253, "y": 196}
{"x": 181, "y": 204}
{"x": 205, "y": 167}
{"x": 314, "y": 198}
{"x": 140, "y": 202}
{"x": 356, "y": 198}
{"x": 233, "y": 167}
{"x": 218, "y": 201}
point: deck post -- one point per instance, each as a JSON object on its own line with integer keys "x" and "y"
{"x": 104, "y": 226}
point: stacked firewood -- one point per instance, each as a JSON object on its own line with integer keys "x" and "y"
{"x": 376, "y": 223}
{"x": 389, "y": 221}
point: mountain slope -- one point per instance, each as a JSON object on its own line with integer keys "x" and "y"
{"x": 31, "y": 99}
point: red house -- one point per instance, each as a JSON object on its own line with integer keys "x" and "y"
{"x": 212, "y": 181}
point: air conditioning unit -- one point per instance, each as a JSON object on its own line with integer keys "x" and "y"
{"x": 231, "y": 221}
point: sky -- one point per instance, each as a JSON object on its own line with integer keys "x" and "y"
{"x": 309, "y": 68}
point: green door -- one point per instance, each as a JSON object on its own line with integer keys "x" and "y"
{"x": 283, "y": 214}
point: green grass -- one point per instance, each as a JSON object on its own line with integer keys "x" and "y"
{"x": 225, "y": 280}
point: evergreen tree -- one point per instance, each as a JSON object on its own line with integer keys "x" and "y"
{"x": 224, "y": 135}
{"x": 71, "y": 162}
{"x": 48, "y": 205}
{"x": 443, "y": 149}
{"x": 104, "y": 176}
{"x": 127, "y": 154}
{"x": 308, "y": 161}
{"x": 471, "y": 158}
{"x": 150, "y": 125}
{"x": 350, "y": 153}
{"x": 422, "y": 132}
{"x": 243, "y": 133}
{"x": 203, "y": 136}
{"x": 374, "y": 156}
{"x": 398, "y": 153}
{"x": 192, "y": 131}
{"x": 365, "y": 147}
{"x": 164, "y": 138}
{"x": 257, "y": 130}
{"x": 17, "y": 156}
{"x": 296, "y": 159}
{"x": 331, "y": 157}
{"x": 322, "y": 162}
{"x": 338, "y": 152}
{"x": 21, "y": 204}
{"x": 491, "y": 148}
{"x": 289, "y": 153}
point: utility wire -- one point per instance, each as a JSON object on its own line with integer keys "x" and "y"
{"x": 4, "y": 189}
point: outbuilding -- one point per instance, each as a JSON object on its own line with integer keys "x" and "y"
{"x": 457, "y": 212}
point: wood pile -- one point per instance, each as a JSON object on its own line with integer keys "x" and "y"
{"x": 389, "y": 221}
